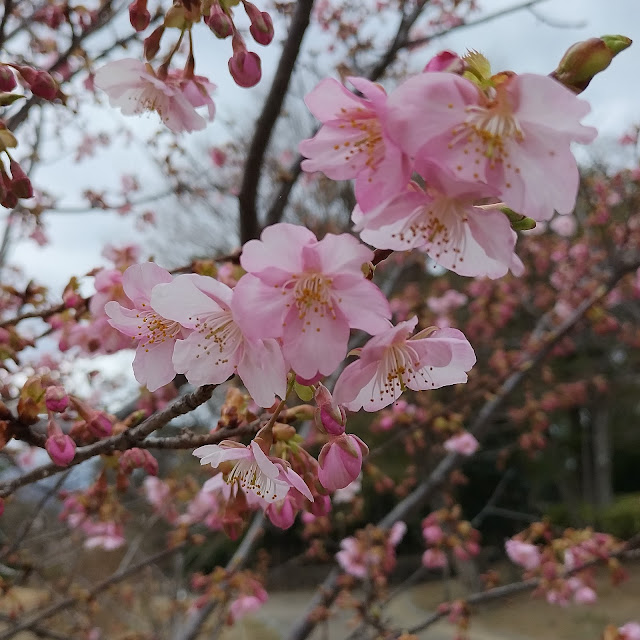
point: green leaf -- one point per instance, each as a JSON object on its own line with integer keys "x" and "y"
{"x": 518, "y": 221}
{"x": 304, "y": 393}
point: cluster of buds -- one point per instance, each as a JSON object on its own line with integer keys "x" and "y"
{"x": 137, "y": 458}
{"x": 93, "y": 424}
{"x": 564, "y": 564}
{"x": 370, "y": 553}
{"x": 244, "y": 65}
{"x": 443, "y": 532}
{"x": 242, "y": 591}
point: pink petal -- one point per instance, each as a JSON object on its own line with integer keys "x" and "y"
{"x": 263, "y": 371}
{"x": 152, "y": 365}
{"x": 139, "y": 279}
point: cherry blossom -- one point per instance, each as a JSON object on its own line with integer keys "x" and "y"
{"x": 156, "y": 334}
{"x": 217, "y": 348}
{"x": 340, "y": 461}
{"x": 630, "y": 631}
{"x": 263, "y": 476}
{"x": 309, "y": 293}
{"x": 525, "y": 554}
{"x": 443, "y": 221}
{"x": 394, "y": 360}
{"x": 464, "y": 443}
{"x": 353, "y": 143}
{"x": 516, "y": 139}
{"x": 134, "y": 87}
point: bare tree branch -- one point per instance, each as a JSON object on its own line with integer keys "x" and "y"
{"x": 249, "y": 223}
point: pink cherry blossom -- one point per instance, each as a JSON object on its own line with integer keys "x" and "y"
{"x": 449, "y": 301}
{"x": 432, "y": 534}
{"x": 256, "y": 473}
{"x": 353, "y": 143}
{"x": 464, "y": 444}
{"x": 397, "y": 532}
{"x": 443, "y": 222}
{"x": 394, "y": 361}
{"x": 630, "y": 631}
{"x": 352, "y": 558}
{"x": 340, "y": 461}
{"x": 156, "y": 334}
{"x": 516, "y": 139}
{"x": 134, "y": 87}
{"x": 525, "y": 554}
{"x": 309, "y": 293}
{"x": 217, "y": 348}
{"x": 106, "y": 535}
{"x": 243, "y": 605}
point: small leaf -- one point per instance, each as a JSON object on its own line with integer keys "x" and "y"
{"x": 9, "y": 98}
{"x": 304, "y": 393}
{"x": 518, "y": 221}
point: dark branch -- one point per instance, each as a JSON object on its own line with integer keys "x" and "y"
{"x": 249, "y": 224}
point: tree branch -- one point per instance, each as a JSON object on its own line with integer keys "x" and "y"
{"x": 122, "y": 441}
{"x": 249, "y": 223}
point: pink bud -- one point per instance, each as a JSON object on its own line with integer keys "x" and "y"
{"x": 282, "y": 515}
{"x": 219, "y": 22}
{"x": 432, "y": 534}
{"x": 261, "y": 25}
{"x": 585, "y": 595}
{"x": 7, "y": 79}
{"x": 629, "y": 631}
{"x": 341, "y": 461}
{"x": 61, "y": 449}
{"x": 20, "y": 183}
{"x": 244, "y": 66}
{"x": 434, "y": 559}
{"x": 99, "y": 424}
{"x": 321, "y": 506}
{"x": 446, "y": 61}
{"x": 44, "y": 86}
{"x": 139, "y": 15}
{"x": 138, "y": 459}
{"x": 56, "y": 399}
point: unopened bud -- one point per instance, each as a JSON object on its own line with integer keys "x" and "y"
{"x": 261, "y": 24}
{"x": 61, "y": 449}
{"x": 152, "y": 43}
{"x": 7, "y": 79}
{"x": 446, "y": 61}
{"x": 20, "y": 183}
{"x": 56, "y": 399}
{"x": 584, "y": 60}
{"x": 244, "y": 66}
{"x": 100, "y": 425}
{"x": 219, "y": 22}
{"x": 139, "y": 15}
{"x": 283, "y": 432}
{"x": 44, "y": 86}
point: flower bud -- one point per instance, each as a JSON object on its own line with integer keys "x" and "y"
{"x": 61, "y": 449}
{"x": 139, "y": 15}
{"x": 20, "y": 183}
{"x": 138, "y": 459}
{"x": 152, "y": 43}
{"x": 175, "y": 18}
{"x": 329, "y": 416}
{"x": 44, "y": 86}
{"x": 99, "y": 424}
{"x": 586, "y": 59}
{"x": 7, "y": 79}
{"x": 219, "y": 22}
{"x": 244, "y": 66}
{"x": 447, "y": 61}
{"x": 56, "y": 399}
{"x": 261, "y": 24}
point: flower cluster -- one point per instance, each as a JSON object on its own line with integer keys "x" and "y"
{"x": 478, "y": 143}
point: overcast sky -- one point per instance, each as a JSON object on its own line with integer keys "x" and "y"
{"x": 521, "y": 42}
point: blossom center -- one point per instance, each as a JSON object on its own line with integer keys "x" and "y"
{"x": 250, "y": 477}
{"x": 219, "y": 333}
{"x": 154, "y": 329}
{"x": 369, "y": 146}
{"x": 311, "y": 294}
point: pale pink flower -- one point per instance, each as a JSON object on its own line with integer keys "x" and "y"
{"x": 397, "y": 532}
{"x": 434, "y": 559}
{"x": 105, "y": 535}
{"x": 352, "y": 558}
{"x": 134, "y": 87}
{"x": 353, "y": 143}
{"x": 340, "y": 461}
{"x": 585, "y": 595}
{"x": 394, "y": 360}
{"x": 443, "y": 222}
{"x": 525, "y": 554}
{"x": 156, "y": 334}
{"x": 449, "y": 301}
{"x": 217, "y": 348}
{"x": 630, "y": 631}
{"x": 432, "y": 534}
{"x": 256, "y": 473}
{"x": 464, "y": 443}
{"x": 309, "y": 293}
{"x": 196, "y": 89}
{"x": 517, "y": 139}
{"x": 564, "y": 226}
{"x": 243, "y": 605}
